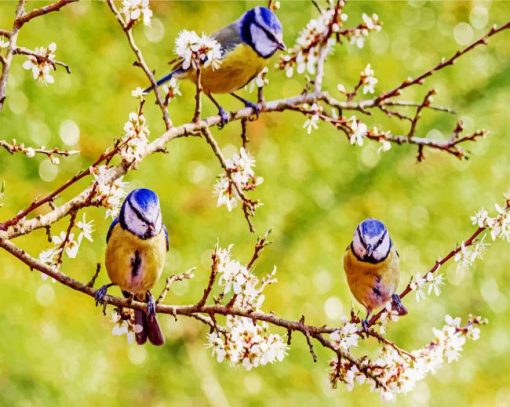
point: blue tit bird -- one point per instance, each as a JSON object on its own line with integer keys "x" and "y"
{"x": 371, "y": 264}
{"x": 246, "y": 44}
{"x": 137, "y": 244}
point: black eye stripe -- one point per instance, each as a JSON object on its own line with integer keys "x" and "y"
{"x": 361, "y": 238}
{"x": 269, "y": 34}
{"x": 138, "y": 213}
{"x": 381, "y": 239}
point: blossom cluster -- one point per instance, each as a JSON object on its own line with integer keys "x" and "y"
{"x": 41, "y": 63}
{"x": 358, "y": 35}
{"x": 358, "y": 130}
{"x": 247, "y": 343}
{"x": 133, "y": 10}
{"x": 346, "y": 337}
{"x": 135, "y": 139}
{"x": 239, "y": 280}
{"x": 368, "y": 80}
{"x": 124, "y": 324}
{"x": 394, "y": 372}
{"x": 243, "y": 341}
{"x": 317, "y": 34}
{"x": 499, "y": 225}
{"x": 241, "y": 172}
{"x": 109, "y": 192}
{"x": 193, "y": 49}
{"x": 426, "y": 285}
{"x": 67, "y": 243}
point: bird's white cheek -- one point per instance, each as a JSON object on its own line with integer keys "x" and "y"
{"x": 135, "y": 224}
{"x": 381, "y": 252}
{"x": 262, "y": 43}
{"x": 358, "y": 247}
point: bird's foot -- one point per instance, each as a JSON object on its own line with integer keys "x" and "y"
{"x": 151, "y": 305}
{"x": 364, "y": 326}
{"x": 101, "y": 293}
{"x": 254, "y": 106}
{"x": 225, "y": 117}
{"x": 397, "y": 303}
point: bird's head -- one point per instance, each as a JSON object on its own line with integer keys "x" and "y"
{"x": 141, "y": 213}
{"x": 261, "y": 30}
{"x": 371, "y": 242}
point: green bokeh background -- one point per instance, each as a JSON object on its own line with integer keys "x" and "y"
{"x": 56, "y": 348}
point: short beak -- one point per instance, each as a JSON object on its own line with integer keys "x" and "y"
{"x": 281, "y": 46}
{"x": 370, "y": 251}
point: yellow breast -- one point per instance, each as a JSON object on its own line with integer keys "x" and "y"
{"x": 121, "y": 252}
{"x": 372, "y": 284}
{"x": 238, "y": 67}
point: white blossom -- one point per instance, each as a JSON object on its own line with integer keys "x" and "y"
{"x": 123, "y": 326}
{"x": 466, "y": 256}
{"x": 247, "y": 343}
{"x": 137, "y": 93}
{"x": 481, "y": 218}
{"x": 238, "y": 280}
{"x": 4, "y": 44}
{"x": 71, "y": 246}
{"x": 136, "y": 135}
{"x": 368, "y": 80}
{"x": 312, "y": 123}
{"x": 358, "y": 131}
{"x": 241, "y": 169}
{"x": 384, "y": 146}
{"x": 110, "y": 192}
{"x": 398, "y": 372}
{"x": 133, "y": 10}
{"x": 346, "y": 337}
{"x": 259, "y": 81}
{"x": 41, "y": 66}
{"x": 194, "y": 48}
{"x": 171, "y": 89}
{"x": 86, "y": 229}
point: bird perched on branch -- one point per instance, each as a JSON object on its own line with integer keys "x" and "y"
{"x": 137, "y": 244}
{"x": 246, "y": 46}
{"x": 371, "y": 264}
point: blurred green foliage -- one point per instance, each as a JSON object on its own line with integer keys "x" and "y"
{"x": 57, "y": 348}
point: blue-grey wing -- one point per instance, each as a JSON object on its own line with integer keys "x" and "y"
{"x": 116, "y": 220}
{"x": 228, "y": 37}
{"x": 166, "y": 238}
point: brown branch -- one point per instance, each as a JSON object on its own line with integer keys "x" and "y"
{"x": 248, "y": 204}
{"x": 210, "y": 284}
{"x": 172, "y": 279}
{"x": 423, "y": 104}
{"x": 140, "y": 61}
{"x": 26, "y": 17}
{"x": 444, "y": 63}
{"x": 7, "y": 60}
{"x": 65, "y": 242}
{"x": 259, "y": 246}
{"x": 198, "y": 92}
{"x": 467, "y": 243}
{"x": 13, "y": 148}
{"x": 40, "y": 58}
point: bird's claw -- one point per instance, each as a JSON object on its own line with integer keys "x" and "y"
{"x": 364, "y": 326}
{"x": 151, "y": 304}
{"x": 254, "y": 106}
{"x": 225, "y": 117}
{"x": 100, "y": 294}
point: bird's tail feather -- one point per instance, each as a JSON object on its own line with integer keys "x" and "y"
{"x": 140, "y": 327}
{"x": 147, "y": 326}
{"x": 164, "y": 79}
